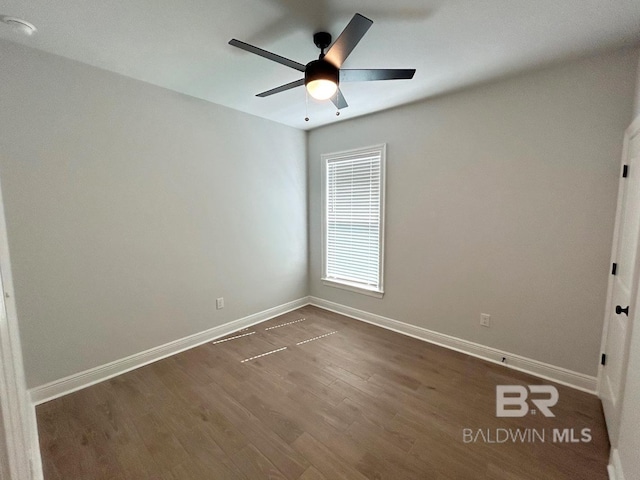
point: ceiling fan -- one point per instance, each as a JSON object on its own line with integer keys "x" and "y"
{"x": 322, "y": 77}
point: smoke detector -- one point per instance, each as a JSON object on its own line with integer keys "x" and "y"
{"x": 19, "y": 25}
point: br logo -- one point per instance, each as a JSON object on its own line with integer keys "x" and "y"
{"x": 515, "y": 397}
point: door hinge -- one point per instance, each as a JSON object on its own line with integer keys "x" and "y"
{"x": 625, "y": 171}
{"x": 614, "y": 268}
{"x": 603, "y": 359}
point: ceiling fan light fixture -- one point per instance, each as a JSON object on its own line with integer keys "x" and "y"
{"x": 322, "y": 89}
{"x": 321, "y": 79}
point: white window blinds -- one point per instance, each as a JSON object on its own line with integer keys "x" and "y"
{"x": 353, "y": 218}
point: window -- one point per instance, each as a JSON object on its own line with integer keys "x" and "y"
{"x": 353, "y": 188}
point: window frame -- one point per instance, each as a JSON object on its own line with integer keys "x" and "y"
{"x": 380, "y": 150}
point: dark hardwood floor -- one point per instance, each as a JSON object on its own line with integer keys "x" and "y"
{"x": 360, "y": 403}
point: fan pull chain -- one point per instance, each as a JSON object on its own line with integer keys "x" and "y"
{"x": 306, "y": 105}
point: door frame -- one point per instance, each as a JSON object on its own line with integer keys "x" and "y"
{"x": 631, "y": 131}
{"x": 19, "y": 449}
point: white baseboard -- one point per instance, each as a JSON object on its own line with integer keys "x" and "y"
{"x": 543, "y": 370}
{"x": 84, "y": 379}
{"x": 95, "y": 375}
{"x": 615, "y": 466}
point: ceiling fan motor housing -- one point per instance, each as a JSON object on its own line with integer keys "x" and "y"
{"x": 321, "y": 69}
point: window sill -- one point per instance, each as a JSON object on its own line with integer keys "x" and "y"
{"x": 353, "y": 288}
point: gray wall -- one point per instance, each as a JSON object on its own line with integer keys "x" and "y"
{"x": 130, "y": 208}
{"x": 500, "y": 199}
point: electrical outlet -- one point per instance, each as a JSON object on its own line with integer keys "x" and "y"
{"x": 485, "y": 320}
{"x": 219, "y": 303}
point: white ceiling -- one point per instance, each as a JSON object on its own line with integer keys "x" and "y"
{"x": 182, "y": 44}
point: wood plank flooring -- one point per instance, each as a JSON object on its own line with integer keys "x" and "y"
{"x": 360, "y": 403}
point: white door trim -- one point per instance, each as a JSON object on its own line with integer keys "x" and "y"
{"x": 19, "y": 449}
{"x": 631, "y": 131}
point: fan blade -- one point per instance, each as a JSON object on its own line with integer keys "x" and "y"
{"x": 369, "y": 75}
{"x": 348, "y": 39}
{"x": 282, "y": 88}
{"x": 267, "y": 55}
{"x": 339, "y": 101}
